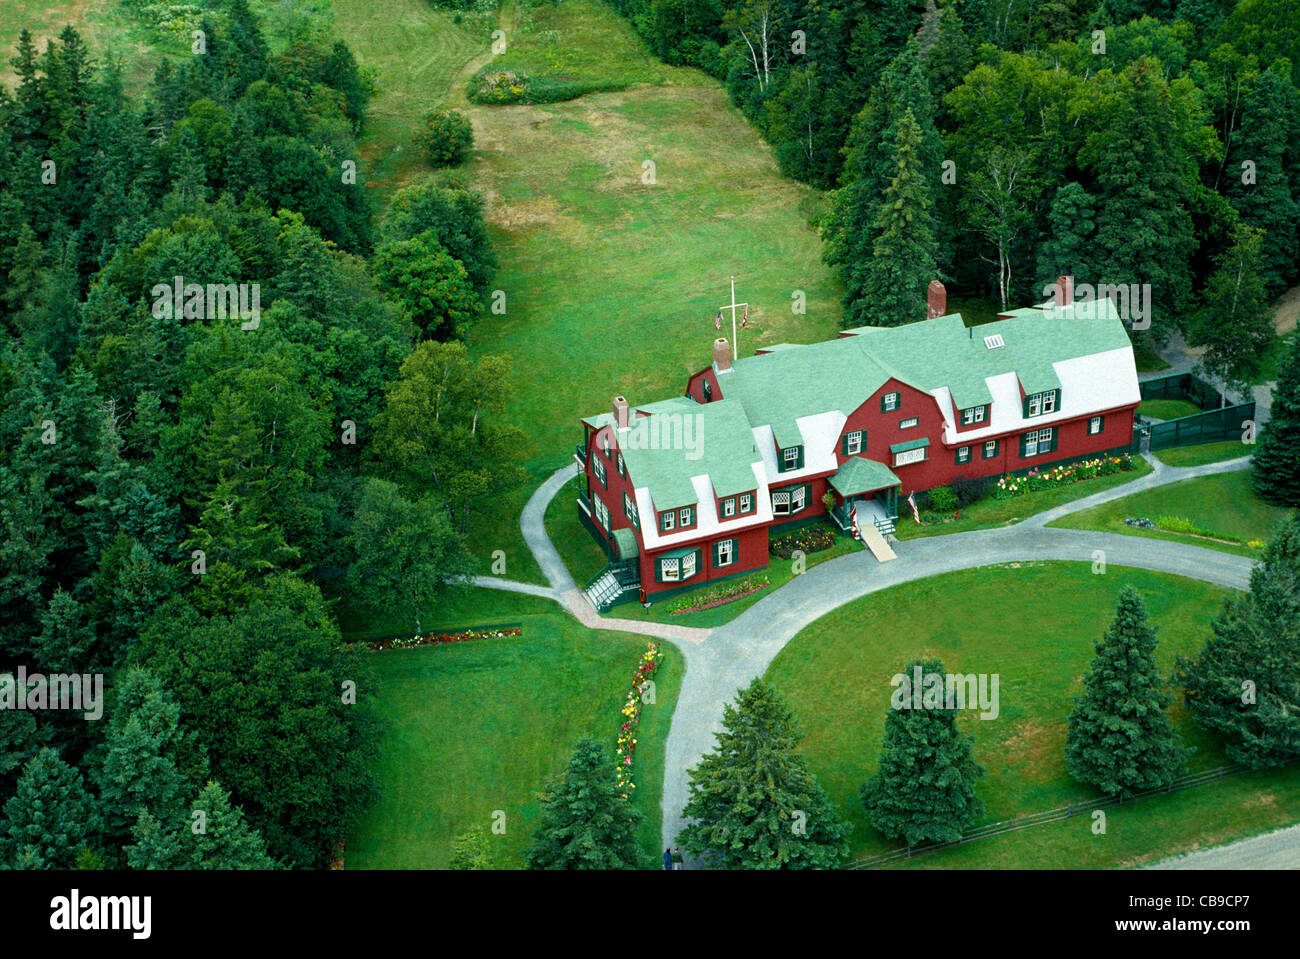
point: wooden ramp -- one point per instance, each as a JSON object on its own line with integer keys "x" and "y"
{"x": 875, "y": 542}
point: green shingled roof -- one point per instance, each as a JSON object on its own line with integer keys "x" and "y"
{"x": 680, "y": 439}
{"x": 861, "y": 475}
{"x": 843, "y": 374}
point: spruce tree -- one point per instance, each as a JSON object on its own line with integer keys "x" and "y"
{"x": 754, "y": 803}
{"x": 893, "y": 280}
{"x": 1275, "y": 472}
{"x": 924, "y": 787}
{"x": 46, "y": 821}
{"x": 1244, "y": 684}
{"x": 1120, "y": 738}
{"x": 585, "y": 823}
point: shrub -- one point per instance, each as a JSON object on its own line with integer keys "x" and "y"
{"x": 971, "y": 490}
{"x": 943, "y": 500}
{"x": 445, "y": 137}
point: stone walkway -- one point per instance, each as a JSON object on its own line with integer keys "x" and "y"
{"x": 721, "y": 661}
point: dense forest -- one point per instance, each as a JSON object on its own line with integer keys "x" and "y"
{"x": 213, "y": 425}
{"x": 1126, "y": 142}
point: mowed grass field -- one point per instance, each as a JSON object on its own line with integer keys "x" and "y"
{"x": 1035, "y": 625}
{"x": 611, "y": 282}
{"x": 1223, "y": 505}
{"x": 472, "y": 728}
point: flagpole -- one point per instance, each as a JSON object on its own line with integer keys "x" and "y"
{"x": 735, "y": 343}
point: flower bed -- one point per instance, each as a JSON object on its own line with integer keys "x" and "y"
{"x": 631, "y": 712}
{"x": 336, "y": 859}
{"x": 810, "y": 539}
{"x": 438, "y": 639}
{"x": 719, "y": 595}
{"x": 1041, "y": 479}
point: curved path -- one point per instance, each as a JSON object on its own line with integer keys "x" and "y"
{"x": 721, "y": 661}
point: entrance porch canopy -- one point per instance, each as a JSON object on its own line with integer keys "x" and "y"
{"x": 860, "y": 475}
{"x": 625, "y": 542}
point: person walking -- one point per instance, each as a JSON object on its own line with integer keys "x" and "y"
{"x": 677, "y": 859}
{"x": 668, "y": 859}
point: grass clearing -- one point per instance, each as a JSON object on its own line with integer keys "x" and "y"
{"x": 836, "y": 676}
{"x": 1202, "y": 453}
{"x": 1168, "y": 409}
{"x": 526, "y": 700}
{"x": 990, "y": 512}
{"x": 1223, "y": 505}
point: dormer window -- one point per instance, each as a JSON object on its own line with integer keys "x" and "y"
{"x": 746, "y": 503}
{"x": 973, "y": 415}
{"x": 668, "y": 521}
{"x": 686, "y": 516}
{"x": 729, "y": 507}
{"x": 1038, "y": 404}
{"x": 791, "y": 459}
{"x": 706, "y": 389}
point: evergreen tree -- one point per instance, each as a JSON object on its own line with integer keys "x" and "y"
{"x": 585, "y": 823}
{"x": 1120, "y": 738}
{"x": 894, "y": 279}
{"x": 46, "y": 821}
{"x": 1244, "y": 684}
{"x": 1275, "y": 468}
{"x": 754, "y": 804}
{"x": 924, "y": 787}
{"x": 212, "y": 834}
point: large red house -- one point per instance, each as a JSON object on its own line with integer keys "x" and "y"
{"x": 687, "y": 490}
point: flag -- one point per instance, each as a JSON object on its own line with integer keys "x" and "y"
{"x": 717, "y": 321}
{"x": 911, "y": 499}
{"x": 855, "y": 520}
{"x": 745, "y": 319}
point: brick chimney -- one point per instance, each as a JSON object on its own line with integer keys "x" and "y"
{"x": 936, "y": 300}
{"x": 722, "y": 354}
{"x": 620, "y": 413}
{"x": 1064, "y": 291}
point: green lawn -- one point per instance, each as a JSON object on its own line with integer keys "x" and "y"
{"x": 1202, "y": 453}
{"x": 835, "y": 675}
{"x": 1168, "y": 409}
{"x": 990, "y": 512}
{"x": 584, "y": 558}
{"x": 482, "y": 726}
{"x": 105, "y": 25}
{"x": 1222, "y": 506}
{"x": 1146, "y": 358}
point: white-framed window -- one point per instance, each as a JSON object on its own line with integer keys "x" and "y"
{"x": 790, "y": 456}
{"x": 963, "y": 454}
{"x": 797, "y": 498}
{"x": 1040, "y": 403}
{"x": 973, "y": 415}
{"x": 598, "y": 468}
{"x": 726, "y": 552}
{"x": 688, "y": 565}
{"x": 994, "y": 342}
{"x": 601, "y": 512}
{"x": 729, "y": 506}
{"x": 908, "y": 423}
{"x": 686, "y": 516}
{"x": 604, "y": 445}
{"x": 629, "y": 510}
{"x": 1094, "y": 426}
{"x": 853, "y": 443}
{"x": 910, "y": 456}
{"x": 889, "y": 402}
{"x": 670, "y": 568}
{"x": 667, "y": 521}
{"x": 746, "y": 502}
{"x": 622, "y": 467}
{"x": 781, "y": 504}
{"x": 990, "y": 449}
{"x": 1037, "y": 441}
